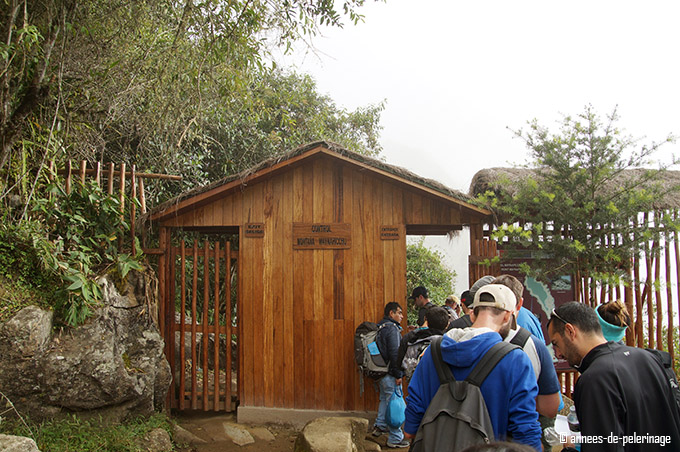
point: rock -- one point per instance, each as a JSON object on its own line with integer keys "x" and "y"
{"x": 112, "y": 366}
{"x": 10, "y": 443}
{"x": 262, "y": 433}
{"x": 371, "y": 446}
{"x": 184, "y": 436}
{"x": 239, "y": 435}
{"x": 333, "y": 434}
{"x": 157, "y": 440}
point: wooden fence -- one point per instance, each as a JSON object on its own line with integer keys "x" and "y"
{"x": 115, "y": 179}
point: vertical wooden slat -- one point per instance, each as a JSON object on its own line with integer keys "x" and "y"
{"x": 669, "y": 289}
{"x": 163, "y": 303}
{"x": 68, "y": 176}
{"x": 194, "y": 358}
{"x": 228, "y": 329}
{"x": 110, "y": 178}
{"x": 204, "y": 321}
{"x": 133, "y": 209}
{"x": 121, "y": 187}
{"x": 216, "y": 334}
{"x": 657, "y": 284}
{"x": 648, "y": 290}
{"x": 83, "y": 171}
{"x": 182, "y": 338}
{"x": 172, "y": 324}
{"x": 676, "y": 245}
{"x": 142, "y": 195}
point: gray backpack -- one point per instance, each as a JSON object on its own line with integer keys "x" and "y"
{"x": 457, "y": 416}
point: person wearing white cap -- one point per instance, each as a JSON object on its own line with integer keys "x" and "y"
{"x": 509, "y": 390}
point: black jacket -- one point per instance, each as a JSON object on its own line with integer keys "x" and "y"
{"x": 411, "y": 337}
{"x": 623, "y": 392}
{"x": 388, "y": 341}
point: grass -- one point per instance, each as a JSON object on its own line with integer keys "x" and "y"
{"x": 73, "y": 434}
{"x": 16, "y": 296}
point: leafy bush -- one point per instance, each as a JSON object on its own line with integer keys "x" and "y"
{"x": 425, "y": 267}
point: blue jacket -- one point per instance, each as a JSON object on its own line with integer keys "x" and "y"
{"x": 388, "y": 340}
{"x": 509, "y": 391}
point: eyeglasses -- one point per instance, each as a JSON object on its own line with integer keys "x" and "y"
{"x": 555, "y": 314}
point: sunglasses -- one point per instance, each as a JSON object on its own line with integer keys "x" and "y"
{"x": 555, "y": 314}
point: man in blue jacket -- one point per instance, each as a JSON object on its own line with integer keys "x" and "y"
{"x": 388, "y": 340}
{"x": 510, "y": 389}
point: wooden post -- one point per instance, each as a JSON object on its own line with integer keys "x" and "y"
{"x": 648, "y": 290}
{"x": 228, "y": 329}
{"x": 182, "y": 330}
{"x": 657, "y": 283}
{"x": 204, "y": 320}
{"x": 121, "y": 195}
{"x": 133, "y": 210}
{"x": 216, "y": 329}
{"x": 170, "y": 318}
{"x": 194, "y": 358}
{"x": 110, "y": 181}
{"x": 142, "y": 195}
{"x": 97, "y": 173}
{"x": 83, "y": 169}
{"x": 162, "y": 301}
{"x": 669, "y": 289}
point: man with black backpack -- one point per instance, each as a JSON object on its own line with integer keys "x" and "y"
{"x": 505, "y": 383}
{"x": 388, "y": 340}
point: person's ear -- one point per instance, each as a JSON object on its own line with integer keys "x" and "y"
{"x": 570, "y": 331}
{"x": 473, "y": 317}
{"x": 519, "y": 304}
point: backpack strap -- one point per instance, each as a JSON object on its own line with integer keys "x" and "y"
{"x": 490, "y": 359}
{"x": 521, "y": 337}
{"x": 443, "y": 369}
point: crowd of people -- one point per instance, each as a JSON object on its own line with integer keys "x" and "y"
{"x": 623, "y": 398}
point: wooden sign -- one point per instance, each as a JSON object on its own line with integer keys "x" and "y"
{"x": 321, "y": 236}
{"x": 389, "y": 233}
{"x": 254, "y": 230}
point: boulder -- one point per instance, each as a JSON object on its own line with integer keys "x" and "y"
{"x": 112, "y": 366}
{"x": 333, "y": 434}
{"x": 157, "y": 440}
{"x": 10, "y": 443}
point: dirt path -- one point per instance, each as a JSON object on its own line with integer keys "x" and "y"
{"x": 210, "y": 427}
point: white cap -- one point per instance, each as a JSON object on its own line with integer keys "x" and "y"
{"x": 503, "y": 297}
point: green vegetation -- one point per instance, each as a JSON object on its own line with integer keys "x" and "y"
{"x": 425, "y": 267}
{"x": 74, "y": 434}
{"x": 580, "y": 206}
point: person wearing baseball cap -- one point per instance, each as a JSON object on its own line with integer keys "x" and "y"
{"x": 509, "y": 390}
{"x": 421, "y": 298}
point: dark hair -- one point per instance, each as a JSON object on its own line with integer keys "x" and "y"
{"x": 615, "y": 313}
{"x": 437, "y": 318}
{"x": 511, "y": 283}
{"x": 499, "y": 446}
{"x": 578, "y": 314}
{"x": 466, "y": 298}
{"x": 496, "y": 311}
{"x": 391, "y": 306}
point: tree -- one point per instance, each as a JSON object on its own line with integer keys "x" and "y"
{"x": 581, "y": 203}
{"x": 157, "y": 83}
{"x": 426, "y": 267}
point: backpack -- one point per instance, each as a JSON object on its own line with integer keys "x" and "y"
{"x": 664, "y": 359}
{"x": 413, "y": 353}
{"x": 366, "y": 353}
{"x": 457, "y": 416}
{"x": 521, "y": 337}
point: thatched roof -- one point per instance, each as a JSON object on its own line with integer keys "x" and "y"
{"x": 335, "y": 148}
{"x": 491, "y": 178}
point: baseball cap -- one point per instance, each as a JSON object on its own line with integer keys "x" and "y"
{"x": 466, "y": 298}
{"x": 495, "y": 296}
{"x": 418, "y": 291}
{"x": 481, "y": 282}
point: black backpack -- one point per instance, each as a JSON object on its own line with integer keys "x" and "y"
{"x": 521, "y": 337}
{"x": 664, "y": 359}
{"x": 457, "y": 416}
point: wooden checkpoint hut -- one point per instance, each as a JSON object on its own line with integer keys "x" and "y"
{"x": 319, "y": 246}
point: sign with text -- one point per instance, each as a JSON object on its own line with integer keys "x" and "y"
{"x": 389, "y": 233}
{"x": 321, "y": 236}
{"x": 254, "y": 230}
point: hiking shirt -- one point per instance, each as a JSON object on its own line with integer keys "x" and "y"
{"x": 623, "y": 392}
{"x": 388, "y": 340}
{"x": 509, "y": 391}
{"x": 527, "y": 319}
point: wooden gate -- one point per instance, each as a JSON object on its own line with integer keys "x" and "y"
{"x": 201, "y": 332}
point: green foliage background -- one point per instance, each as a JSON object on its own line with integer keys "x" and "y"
{"x": 426, "y": 267}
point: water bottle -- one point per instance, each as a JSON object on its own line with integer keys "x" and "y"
{"x": 551, "y": 436}
{"x": 572, "y": 420}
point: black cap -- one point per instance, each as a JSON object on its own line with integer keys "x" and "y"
{"x": 466, "y": 298}
{"x": 418, "y": 291}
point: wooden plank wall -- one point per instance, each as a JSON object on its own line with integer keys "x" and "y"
{"x": 299, "y": 308}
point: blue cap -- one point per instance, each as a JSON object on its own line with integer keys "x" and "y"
{"x": 611, "y": 332}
